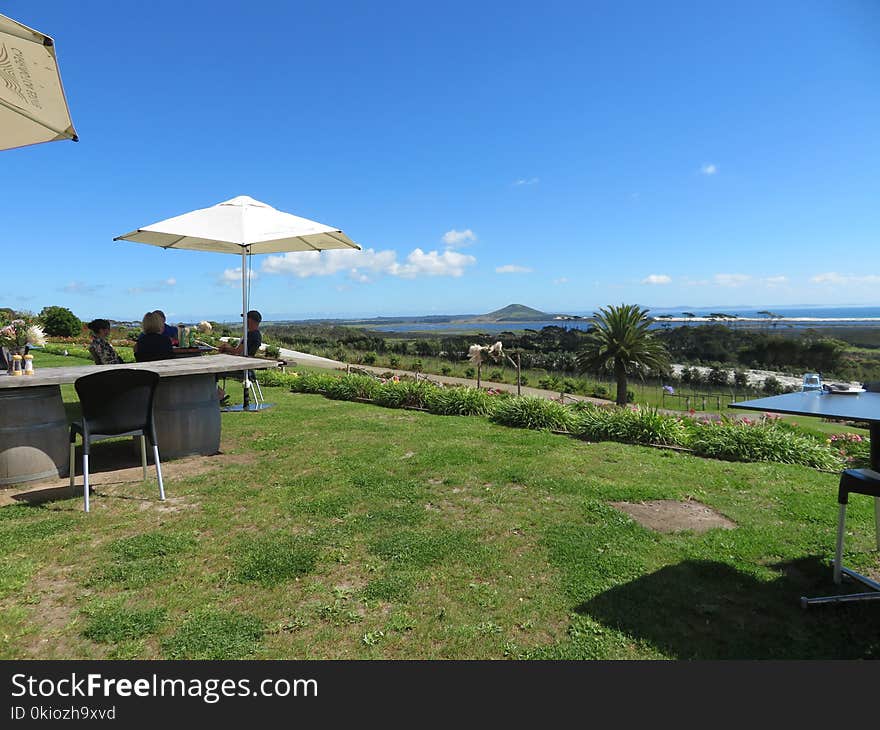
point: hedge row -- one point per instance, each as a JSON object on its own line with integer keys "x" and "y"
{"x": 762, "y": 440}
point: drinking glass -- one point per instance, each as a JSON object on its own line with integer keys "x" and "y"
{"x": 812, "y": 381}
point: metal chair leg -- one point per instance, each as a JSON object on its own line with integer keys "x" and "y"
{"x": 72, "y": 463}
{"x": 838, "y": 553}
{"x": 259, "y": 389}
{"x": 144, "y": 455}
{"x": 86, "y": 481}
{"x": 877, "y": 520}
{"x": 159, "y": 472}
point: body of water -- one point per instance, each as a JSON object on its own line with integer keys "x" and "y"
{"x": 786, "y": 319}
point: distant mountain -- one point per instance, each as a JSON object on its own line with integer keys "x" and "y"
{"x": 512, "y": 313}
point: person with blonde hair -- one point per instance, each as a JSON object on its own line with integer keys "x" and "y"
{"x": 153, "y": 344}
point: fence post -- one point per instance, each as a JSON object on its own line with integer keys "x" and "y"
{"x": 518, "y": 375}
{"x": 687, "y": 402}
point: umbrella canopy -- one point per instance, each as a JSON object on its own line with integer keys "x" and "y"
{"x": 241, "y": 226}
{"x": 32, "y": 104}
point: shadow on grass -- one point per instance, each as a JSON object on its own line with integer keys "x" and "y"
{"x": 106, "y": 457}
{"x": 710, "y": 610}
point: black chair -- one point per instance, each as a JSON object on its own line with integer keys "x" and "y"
{"x": 115, "y": 403}
{"x": 854, "y": 481}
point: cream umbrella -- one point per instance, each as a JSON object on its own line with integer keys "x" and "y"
{"x": 32, "y": 104}
{"x": 242, "y": 226}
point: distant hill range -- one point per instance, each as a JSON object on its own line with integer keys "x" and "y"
{"x": 510, "y": 313}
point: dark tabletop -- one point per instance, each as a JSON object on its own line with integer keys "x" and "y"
{"x": 856, "y": 407}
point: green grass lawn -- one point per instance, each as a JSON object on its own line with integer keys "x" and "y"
{"x": 344, "y": 530}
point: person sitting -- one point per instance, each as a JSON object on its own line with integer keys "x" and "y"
{"x": 254, "y": 337}
{"x": 152, "y": 344}
{"x": 167, "y": 330}
{"x": 254, "y": 342}
{"x": 101, "y": 350}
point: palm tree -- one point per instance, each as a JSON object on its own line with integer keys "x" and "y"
{"x": 620, "y": 343}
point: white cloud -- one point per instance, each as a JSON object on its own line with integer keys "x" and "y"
{"x": 158, "y": 286}
{"x": 833, "y": 278}
{"x": 325, "y": 263}
{"x": 232, "y": 277}
{"x": 512, "y": 269}
{"x": 455, "y": 238}
{"x": 81, "y": 287}
{"x": 527, "y": 181}
{"x": 772, "y": 281}
{"x": 731, "y": 280}
{"x": 419, "y": 263}
{"x": 363, "y": 266}
{"x": 561, "y": 280}
{"x": 709, "y": 169}
{"x": 657, "y": 279}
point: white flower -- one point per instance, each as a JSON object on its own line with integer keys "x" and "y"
{"x": 36, "y": 336}
{"x": 475, "y": 354}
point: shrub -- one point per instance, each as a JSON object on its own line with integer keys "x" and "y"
{"x": 523, "y": 379}
{"x": 275, "y": 377}
{"x": 633, "y": 426}
{"x": 718, "y": 377}
{"x": 599, "y": 391}
{"x": 692, "y": 376}
{"x": 740, "y": 379}
{"x": 394, "y": 362}
{"x": 462, "y": 401}
{"x": 445, "y": 370}
{"x": 745, "y": 441}
{"x": 549, "y": 382}
{"x": 495, "y": 376}
{"x": 772, "y": 386}
{"x": 470, "y": 372}
{"x": 312, "y": 383}
{"x": 853, "y": 448}
{"x": 350, "y": 387}
{"x": 273, "y": 352}
{"x": 369, "y": 358}
{"x": 60, "y": 322}
{"x": 531, "y": 412}
{"x": 416, "y": 366}
{"x": 403, "y": 394}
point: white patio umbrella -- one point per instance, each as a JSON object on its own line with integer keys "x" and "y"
{"x": 241, "y": 226}
{"x": 32, "y": 104}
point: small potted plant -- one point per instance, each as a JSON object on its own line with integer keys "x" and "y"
{"x": 19, "y": 334}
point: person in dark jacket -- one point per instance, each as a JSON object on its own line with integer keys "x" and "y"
{"x": 152, "y": 344}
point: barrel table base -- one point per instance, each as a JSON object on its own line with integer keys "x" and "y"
{"x": 187, "y": 416}
{"x": 33, "y": 435}
{"x": 34, "y": 430}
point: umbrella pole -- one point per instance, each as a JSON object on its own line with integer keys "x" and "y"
{"x": 244, "y": 310}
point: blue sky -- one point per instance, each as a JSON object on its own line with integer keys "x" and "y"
{"x": 561, "y": 155}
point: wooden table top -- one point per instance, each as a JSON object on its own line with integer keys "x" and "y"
{"x": 166, "y": 368}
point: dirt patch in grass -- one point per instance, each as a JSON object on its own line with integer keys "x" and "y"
{"x": 669, "y": 515}
{"x": 52, "y": 609}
